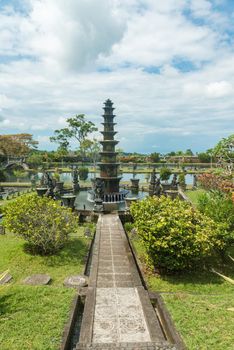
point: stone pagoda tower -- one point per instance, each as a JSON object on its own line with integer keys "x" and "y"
{"x": 108, "y": 165}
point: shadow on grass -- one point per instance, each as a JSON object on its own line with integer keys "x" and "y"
{"x": 6, "y": 304}
{"x": 73, "y": 253}
{"x": 202, "y": 274}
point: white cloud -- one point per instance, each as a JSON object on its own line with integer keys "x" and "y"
{"x": 74, "y": 33}
{"x": 5, "y": 102}
{"x": 201, "y": 8}
{"x": 157, "y": 37}
{"x": 66, "y": 48}
{"x": 219, "y": 89}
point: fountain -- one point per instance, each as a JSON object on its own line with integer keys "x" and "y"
{"x": 106, "y": 189}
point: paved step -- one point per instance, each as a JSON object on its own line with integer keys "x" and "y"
{"x": 127, "y": 346}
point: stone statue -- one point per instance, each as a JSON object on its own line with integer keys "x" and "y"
{"x": 194, "y": 181}
{"x": 50, "y": 185}
{"x": 33, "y": 180}
{"x": 43, "y": 180}
{"x": 158, "y": 188}
{"x": 75, "y": 175}
{"x": 153, "y": 177}
{"x": 75, "y": 180}
{"x": 99, "y": 188}
{"x": 174, "y": 181}
{"x": 134, "y": 170}
{"x": 153, "y": 180}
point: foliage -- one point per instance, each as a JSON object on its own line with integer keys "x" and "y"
{"x": 132, "y": 158}
{"x": 175, "y": 235}
{"x": 196, "y": 299}
{"x": 224, "y": 151}
{"x": 35, "y": 159}
{"x": 215, "y": 182}
{"x": 189, "y": 152}
{"x": 78, "y": 128}
{"x": 165, "y": 173}
{"x": 83, "y": 173}
{"x": 154, "y": 157}
{"x": 92, "y": 149}
{"x": 204, "y": 157}
{"x": 42, "y": 222}
{"x": 220, "y": 208}
{"x": 17, "y": 145}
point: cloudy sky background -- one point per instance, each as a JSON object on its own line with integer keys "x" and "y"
{"x": 167, "y": 65}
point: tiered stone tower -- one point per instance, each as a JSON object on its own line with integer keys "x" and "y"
{"x": 109, "y": 165}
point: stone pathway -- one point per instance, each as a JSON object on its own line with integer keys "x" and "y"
{"x": 118, "y": 313}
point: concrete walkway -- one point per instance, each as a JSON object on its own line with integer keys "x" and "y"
{"x": 118, "y": 313}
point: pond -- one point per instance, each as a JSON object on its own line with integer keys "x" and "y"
{"x": 67, "y": 178}
{"x": 82, "y": 202}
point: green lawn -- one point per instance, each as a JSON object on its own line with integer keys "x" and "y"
{"x": 193, "y": 195}
{"x": 200, "y": 302}
{"x": 33, "y": 318}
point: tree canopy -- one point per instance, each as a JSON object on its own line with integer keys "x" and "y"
{"x": 78, "y": 128}
{"x": 17, "y": 144}
{"x": 224, "y": 152}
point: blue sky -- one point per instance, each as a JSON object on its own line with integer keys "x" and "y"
{"x": 168, "y": 67}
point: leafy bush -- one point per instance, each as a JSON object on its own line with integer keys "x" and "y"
{"x": 215, "y": 182}
{"x": 165, "y": 173}
{"x": 220, "y": 208}
{"x": 42, "y": 222}
{"x": 83, "y": 173}
{"x": 181, "y": 180}
{"x": 175, "y": 235}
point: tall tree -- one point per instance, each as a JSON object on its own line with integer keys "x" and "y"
{"x": 78, "y": 128}
{"x": 18, "y": 145}
{"x": 189, "y": 152}
{"x": 92, "y": 148}
{"x": 224, "y": 152}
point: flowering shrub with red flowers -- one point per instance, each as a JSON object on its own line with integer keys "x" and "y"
{"x": 215, "y": 182}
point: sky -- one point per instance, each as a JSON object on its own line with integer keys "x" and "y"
{"x": 168, "y": 66}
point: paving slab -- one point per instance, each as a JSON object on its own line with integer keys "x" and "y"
{"x": 76, "y": 281}
{"x": 37, "y": 280}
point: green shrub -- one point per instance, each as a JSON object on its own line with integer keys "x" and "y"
{"x": 165, "y": 173}
{"x": 181, "y": 180}
{"x": 175, "y": 235}
{"x": 42, "y": 222}
{"x": 220, "y": 208}
{"x": 83, "y": 173}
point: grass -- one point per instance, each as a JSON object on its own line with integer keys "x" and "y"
{"x": 194, "y": 195}
{"x": 204, "y": 322}
{"x": 33, "y": 318}
{"x": 200, "y": 302}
